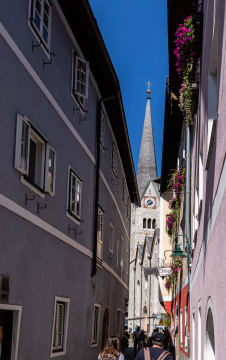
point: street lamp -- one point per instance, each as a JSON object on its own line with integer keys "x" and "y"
{"x": 178, "y": 253}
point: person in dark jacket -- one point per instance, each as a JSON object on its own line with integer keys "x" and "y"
{"x": 158, "y": 341}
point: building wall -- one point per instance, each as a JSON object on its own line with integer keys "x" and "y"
{"x": 40, "y": 252}
{"x": 209, "y": 248}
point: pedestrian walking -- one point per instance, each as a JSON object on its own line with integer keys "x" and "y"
{"x": 112, "y": 350}
{"x": 156, "y": 352}
{"x": 136, "y": 336}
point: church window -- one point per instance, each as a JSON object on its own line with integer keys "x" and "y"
{"x": 149, "y": 223}
{"x": 144, "y": 223}
{"x": 154, "y": 224}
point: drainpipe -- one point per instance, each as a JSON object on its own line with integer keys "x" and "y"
{"x": 98, "y": 123}
{"x": 141, "y": 285}
{"x": 187, "y": 215}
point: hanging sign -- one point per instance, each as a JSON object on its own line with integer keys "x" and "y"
{"x": 165, "y": 271}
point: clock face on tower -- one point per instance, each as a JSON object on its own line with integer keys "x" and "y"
{"x": 150, "y": 202}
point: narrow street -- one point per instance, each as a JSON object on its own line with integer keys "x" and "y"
{"x": 129, "y": 352}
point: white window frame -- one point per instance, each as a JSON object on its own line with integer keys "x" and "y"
{"x": 100, "y": 233}
{"x": 76, "y": 60}
{"x": 40, "y": 184}
{"x": 66, "y": 302}
{"x": 121, "y": 251}
{"x": 72, "y": 175}
{"x": 102, "y": 128}
{"x": 127, "y": 261}
{"x": 111, "y": 238}
{"x": 114, "y": 159}
{"x": 212, "y": 89}
{"x": 124, "y": 191}
{"x": 94, "y": 342}
{"x": 128, "y": 208}
{"x": 38, "y": 32}
{"x": 48, "y": 188}
{"x": 186, "y": 328}
{"x": 181, "y": 327}
{"x": 118, "y": 322}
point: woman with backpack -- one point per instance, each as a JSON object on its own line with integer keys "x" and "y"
{"x": 112, "y": 350}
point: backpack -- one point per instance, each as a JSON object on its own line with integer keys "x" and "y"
{"x": 161, "y": 357}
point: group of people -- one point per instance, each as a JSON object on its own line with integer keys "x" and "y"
{"x": 155, "y": 348}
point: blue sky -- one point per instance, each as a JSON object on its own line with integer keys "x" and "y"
{"x": 135, "y": 34}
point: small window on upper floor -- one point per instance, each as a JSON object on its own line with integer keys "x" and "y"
{"x": 34, "y": 158}
{"x": 153, "y": 223}
{"x": 80, "y": 80}
{"x": 40, "y": 20}
{"x": 102, "y": 128}
{"x": 111, "y": 238}
{"x": 124, "y": 191}
{"x": 144, "y": 223}
{"x": 114, "y": 160}
{"x": 75, "y": 195}
{"x": 149, "y": 223}
{"x": 100, "y": 235}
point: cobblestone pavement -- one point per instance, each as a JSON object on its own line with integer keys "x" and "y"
{"x": 129, "y": 352}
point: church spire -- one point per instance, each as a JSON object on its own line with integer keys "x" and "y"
{"x": 147, "y": 162}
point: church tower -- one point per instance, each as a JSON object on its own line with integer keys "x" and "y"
{"x": 144, "y": 224}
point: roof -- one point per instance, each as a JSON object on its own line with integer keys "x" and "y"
{"x": 83, "y": 24}
{"x": 147, "y": 161}
{"x": 173, "y": 119}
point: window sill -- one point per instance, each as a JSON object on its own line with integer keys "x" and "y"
{"x": 59, "y": 353}
{"x": 111, "y": 251}
{"x": 38, "y": 38}
{"x": 80, "y": 108}
{"x": 93, "y": 345}
{"x": 76, "y": 221}
{"x": 33, "y": 188}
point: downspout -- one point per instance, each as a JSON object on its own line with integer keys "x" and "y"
{"x": 141, "y": 295}
{"x": 187, "y": 215}
{"x": 97, "y": 181}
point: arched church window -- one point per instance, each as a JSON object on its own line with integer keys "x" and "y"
{"x": 144, "y": 223}
{"x": 149, "y": 223}
{"x": 153, "y": 223}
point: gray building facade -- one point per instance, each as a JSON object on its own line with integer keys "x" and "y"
{"x": 66, "y": 184}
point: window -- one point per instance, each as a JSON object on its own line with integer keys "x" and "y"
{"x": 114, "y": 159}
{"x": 111, "y": 238}
{"x": 128, "y": 208}
{"x": 181, "y": 327}
{"x": 212, "y": 89}
{"x": 95, "y": 329}
{"x": 102, "y": 127}
{"x": 41, "y": 20}
{"x": 80, "y": 80}
{"x": 153, "y": 223}
{"x": 118, "y": 322}
{"x": 149, "y": 223}
{"x": 121, "y": 253}
{"x": 124, "y": 191}
{"x": 144, "y": 223}
{"x": 60, "y": 323}
{"x": 34, "y": 158}
{"x": 75, "y": 195}
{"x": 127, "y": 262}
{"x": 4, "y": 294}
{"x": 186, "y": 328}
{"x": 100, "y": 235}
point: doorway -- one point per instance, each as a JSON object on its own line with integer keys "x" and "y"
{"x": 6, "y": 330}
{"x": 105, "y": 328}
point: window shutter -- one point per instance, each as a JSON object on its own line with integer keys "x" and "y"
{"x": 22, "y": 147}
{"x": 50, "y": 170}
{"x": 81, "y": 82}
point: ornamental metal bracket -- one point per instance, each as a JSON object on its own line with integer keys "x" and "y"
{"x": 34, "y": 46}
{"x": 75, "y": 230}
{"x": 27, "y": 199}
{"x": 41, "y": 207}
{"x": 111, "y": 258}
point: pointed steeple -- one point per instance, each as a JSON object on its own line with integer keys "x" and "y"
{"x": 147, "y": 162}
